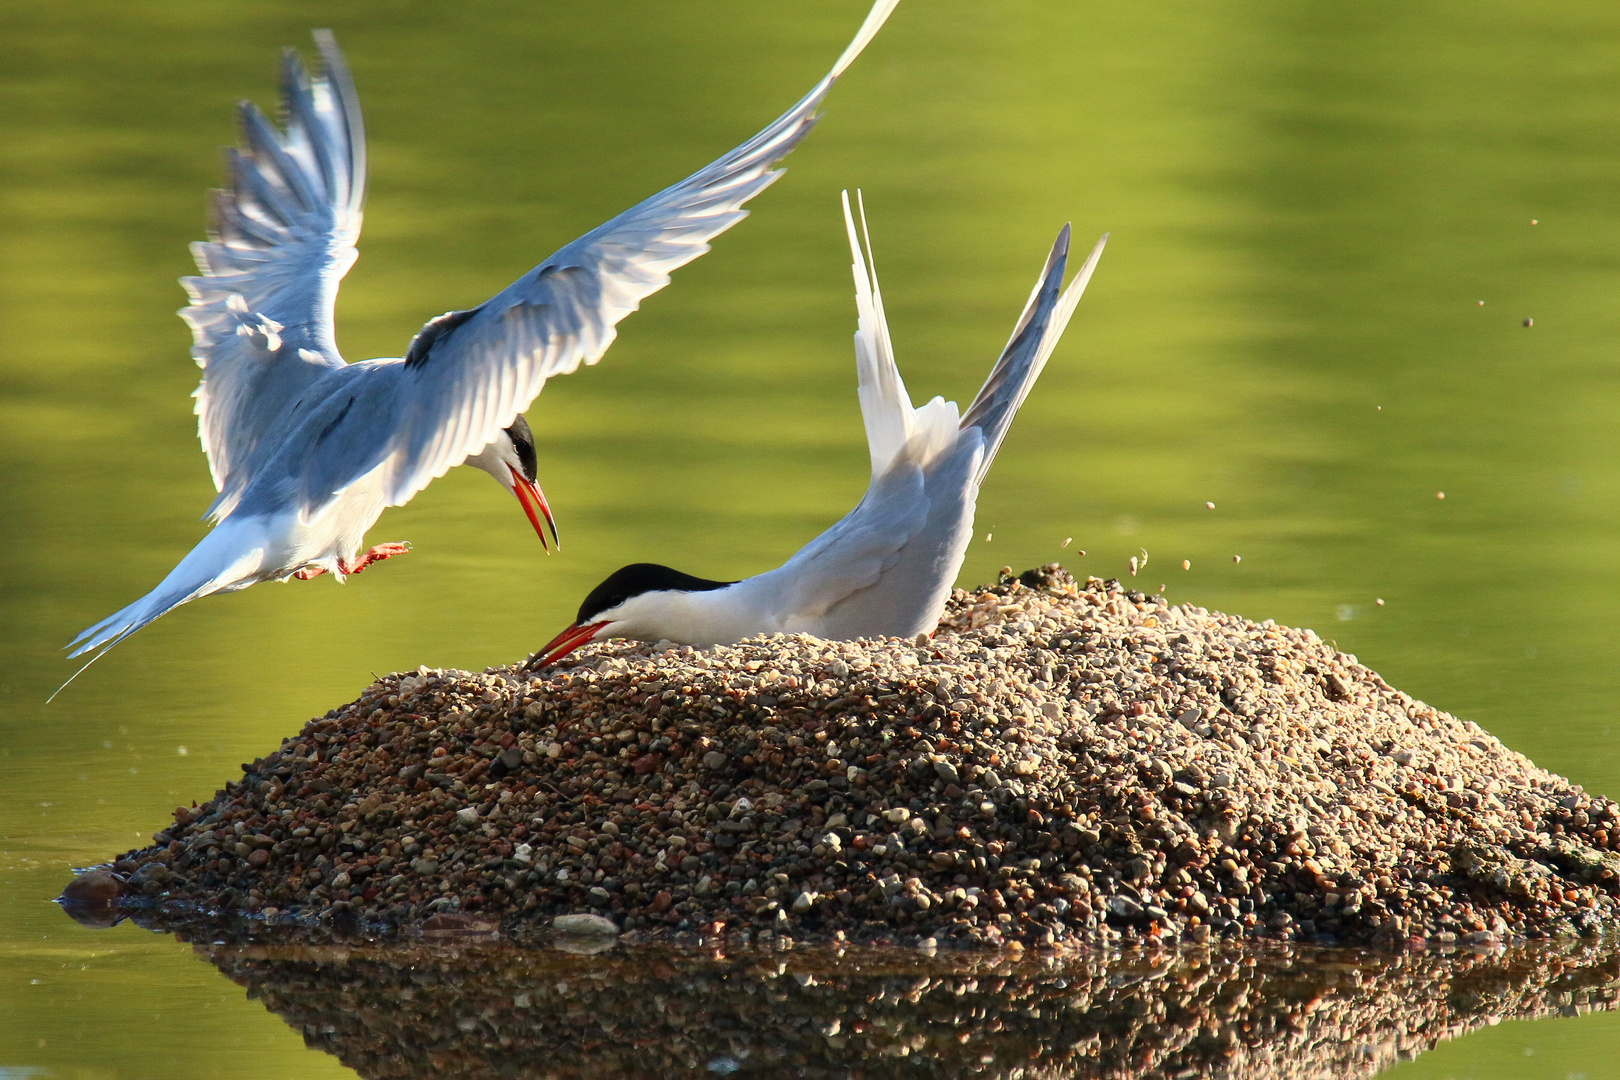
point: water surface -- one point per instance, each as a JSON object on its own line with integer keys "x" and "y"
{"x": 1307, "y": 202}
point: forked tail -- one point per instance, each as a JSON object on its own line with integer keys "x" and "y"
{"x": 228, "y": 557}
{"x": 1042, "y": 323}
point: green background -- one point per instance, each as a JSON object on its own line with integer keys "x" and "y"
{"x": 1308, "y": 201}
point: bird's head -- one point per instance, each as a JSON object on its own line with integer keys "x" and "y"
{"x": 510, "y": 460}
{"x": 643, "y": 601}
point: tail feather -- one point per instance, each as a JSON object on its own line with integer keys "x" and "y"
{"x": 891, "y": 421}
{"x": 101, "y": 637}
{"x": 120, "y": 624}
{"x": 107, "y": 633}
{"x": 228, "y": 558}
{"x": 1036, "y": 334}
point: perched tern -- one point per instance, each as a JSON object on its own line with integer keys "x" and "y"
{"x": 886, "y": 569}
{"x": 307, "y": 450}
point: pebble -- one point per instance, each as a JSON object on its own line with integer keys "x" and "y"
{"x": 585, "y": 925}
{"x": 94, "y": 888}
{"x": 1062, "y": 761}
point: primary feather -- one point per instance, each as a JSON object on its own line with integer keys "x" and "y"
{"x": 282, "y": 238}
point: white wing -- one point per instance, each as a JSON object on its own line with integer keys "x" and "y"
{"x": 1035, "y": 335}
{"x": 888, "y": 566}
{"x": 469, "y": 374}
{"x": 891, "y": 423}
{"x": 282, "y": 238}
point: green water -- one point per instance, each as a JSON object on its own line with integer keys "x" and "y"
{"x": 1307, "y": 202}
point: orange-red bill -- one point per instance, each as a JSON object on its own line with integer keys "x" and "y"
{"x": 566, "y": 642}
{"x": 535, "y": 506}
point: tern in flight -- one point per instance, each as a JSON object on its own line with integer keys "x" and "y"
{"x": 887, "y": 568}
{"x": 307, "y": 450}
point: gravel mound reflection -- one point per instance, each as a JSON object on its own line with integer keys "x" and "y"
{"x": 489, "y": 1008}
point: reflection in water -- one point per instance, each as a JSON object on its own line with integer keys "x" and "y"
{"x": 498, "y": 1009}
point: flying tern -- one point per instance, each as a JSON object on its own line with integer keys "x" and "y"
{"x": 306, "y": 450}
{"x": 886, "y": 569}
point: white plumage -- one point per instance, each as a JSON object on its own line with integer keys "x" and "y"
{"x": 887, "y": 567}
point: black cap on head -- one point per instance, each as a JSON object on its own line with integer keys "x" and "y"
{"x": 638, "y": 578}
{"x": 523, "y": 440}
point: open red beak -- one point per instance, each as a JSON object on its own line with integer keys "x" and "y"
{"x": 566, "y": 642}
{"x": 534, "y": 504}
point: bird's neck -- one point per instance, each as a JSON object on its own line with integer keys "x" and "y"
{"x": 708, "y": 617}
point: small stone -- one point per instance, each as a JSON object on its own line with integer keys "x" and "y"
{"x": 585, "y": 925}
{"x": 460, "y": 923}
{"x": 1124, "y": 907}
{"x": 804, "y": 902}
{"x": 467, "y": 815}
{"x": 93, "y": 888}
{"x": 714, "y": 761}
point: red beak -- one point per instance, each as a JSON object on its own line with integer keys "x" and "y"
{"x": 534, "y": 505}
{"x": 566, "y": 642}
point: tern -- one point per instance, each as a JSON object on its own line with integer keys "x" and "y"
{"x": 306, "y": 450}
{"x": 885, "y": 569}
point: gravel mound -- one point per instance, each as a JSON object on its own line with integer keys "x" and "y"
{"x": 1060, "y": 762}
{"x": 400, "y": 1010}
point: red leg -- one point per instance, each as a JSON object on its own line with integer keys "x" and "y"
{"x": 309, "y": 572}
{"x": 376, "y": 554}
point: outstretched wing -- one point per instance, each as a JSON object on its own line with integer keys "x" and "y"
{"x": 469, "y": 374}
{"x": 886, "y": 410}
{"x": 281, "y": 239}
{"x": 1035, "y": 335}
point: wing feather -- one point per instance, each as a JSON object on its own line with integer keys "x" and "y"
{"x": 281, "y": 239}
{"x": 565, "y": 311}
{"x": 1034, "y": 336}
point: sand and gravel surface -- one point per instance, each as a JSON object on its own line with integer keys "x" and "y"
{"x": 1061, "y": 762}
{"x": 412, "y": 1008}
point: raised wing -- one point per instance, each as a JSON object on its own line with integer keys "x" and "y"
{"x": 891, "y": 422}
{"x": 281, "y": 238}
{"x": 888, "y": 566}
{"x": 1035, "y": 335}
{"x": 469, "y": 374}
